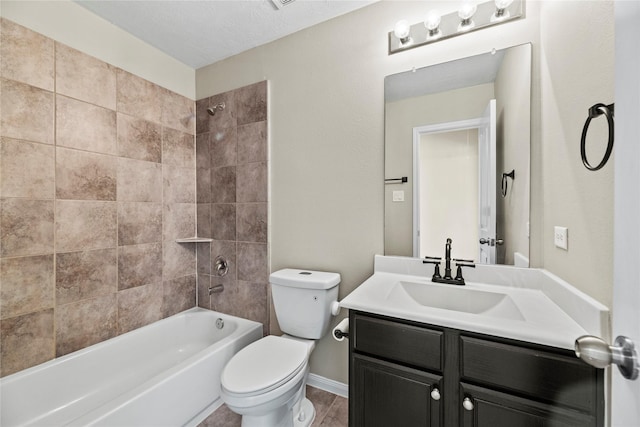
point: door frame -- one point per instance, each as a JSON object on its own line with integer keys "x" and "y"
{"x": 418, "y": 132}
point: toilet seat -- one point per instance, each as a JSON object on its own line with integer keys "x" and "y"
{"x": 264, "y": 365}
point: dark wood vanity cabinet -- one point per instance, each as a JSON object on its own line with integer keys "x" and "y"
{"x": 407, "y": 374}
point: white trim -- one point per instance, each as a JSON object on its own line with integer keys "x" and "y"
{"x": 326, "y": 384}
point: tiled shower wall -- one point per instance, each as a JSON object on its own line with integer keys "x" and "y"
{"x": 97, "y": 180}
{"x": 232, "y": 196}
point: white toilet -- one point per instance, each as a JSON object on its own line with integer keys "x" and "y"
{"x": 265, "y": 381}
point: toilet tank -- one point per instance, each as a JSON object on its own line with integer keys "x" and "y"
{"x": 302, "y": 301}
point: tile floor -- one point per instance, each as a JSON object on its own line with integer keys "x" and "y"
{"x": 331, "y": 411}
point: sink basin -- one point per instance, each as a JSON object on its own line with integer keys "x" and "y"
{"x": 455, "y": 298}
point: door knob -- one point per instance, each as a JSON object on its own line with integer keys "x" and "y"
{"x": 467, "y": 404}
{"x": 598, "y": 353}
{"x": 491, "y": 242}
{"x": 435, "y": 394}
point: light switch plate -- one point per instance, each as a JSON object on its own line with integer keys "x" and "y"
{"x": 561, "y": 237}
{"x": 398, "y": 196}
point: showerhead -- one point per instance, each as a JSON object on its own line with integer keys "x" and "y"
{"x": 218, "y": 107}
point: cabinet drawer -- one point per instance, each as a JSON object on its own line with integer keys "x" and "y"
{"x": 542, "y": 375}
{"x": 412, "y": 345}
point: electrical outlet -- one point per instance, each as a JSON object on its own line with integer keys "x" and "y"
{"x": 398, "y": 196}
{"x": 561, "y": 237}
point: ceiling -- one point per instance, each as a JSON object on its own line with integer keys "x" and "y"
{"x": 471, "y": 71}
{"x": 201, "y": 32}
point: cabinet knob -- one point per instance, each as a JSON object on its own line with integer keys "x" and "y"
{"x": 467, "y": 404}
{"x": 435, "y": 394}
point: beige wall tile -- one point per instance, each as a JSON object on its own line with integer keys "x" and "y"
{"x": 87, "y": 274}
{"x": 138, "y": 97}
{"x": 139, "y": 306}
{"x": 85, "y": 126}
{"x": 81, "y": 175}
{"x": 27, "y": 112}
{"x": 26, "y": 55}
{"x": 85, "y": 225}
{"x": 139, "y": 265}
{"x": 178, "y": 260}
{"x": 223, "y": 147}
{"x": 178, "y": 112}
{"x": 84, "y": 323}
{"x": 139, "y": 181}
{"x": 178, "y": 221}
{"x": 27, "y": 285}
{"x": 252, "y": 142}
{"x": 251, "y": 222}
{"x": 252, "y": 182}
{"x": 139, "y": 222}
{"x": 223, "y": 221}
{"x": 251, "y": 103}
{"x": 203, "y": 186}
{"x": 84, "y": 77}
{"x": 223, "y": 184}
{"x": 26, "y": 227}
{"x": 26, "y": 341}
{"x": 26, "y": 169}
{"x": 203, "y": 158}
{"x": 179, "y": 295}
{"x": 139, "y": 139}
{"x": 179, "y": 185}
{"x": 203, "y": 220}
{"x": 178, "y": 148}
{"x": 252, "y": 262}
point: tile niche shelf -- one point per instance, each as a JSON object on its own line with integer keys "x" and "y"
{"x": 195, "y": 240}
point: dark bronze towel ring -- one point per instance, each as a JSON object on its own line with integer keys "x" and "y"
{"x": 595, "y": 111}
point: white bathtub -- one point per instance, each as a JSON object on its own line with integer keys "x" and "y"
{"x": 163, "y": 374}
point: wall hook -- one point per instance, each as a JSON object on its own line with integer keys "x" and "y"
{"x": 505, "y": 181}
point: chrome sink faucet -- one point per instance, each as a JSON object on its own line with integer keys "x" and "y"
{"x": 458, "y": 280}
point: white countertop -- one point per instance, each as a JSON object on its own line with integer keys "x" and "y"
{"x": 552, "y": 312}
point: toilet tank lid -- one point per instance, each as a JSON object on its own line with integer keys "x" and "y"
{"x": 308, "y": 279}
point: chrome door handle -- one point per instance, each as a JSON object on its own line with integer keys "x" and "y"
{"x": 598, "y": 353}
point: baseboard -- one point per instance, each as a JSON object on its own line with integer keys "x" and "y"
{"x": 326, "y": 384}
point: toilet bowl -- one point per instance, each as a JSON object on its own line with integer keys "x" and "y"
{"x": 265, "y": 381}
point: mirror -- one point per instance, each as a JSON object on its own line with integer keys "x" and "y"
{"x": 457, "y": 164}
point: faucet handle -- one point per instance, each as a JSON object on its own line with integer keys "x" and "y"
{"x": 468, "y": 261}
{"x": 436, "y": 262}
{"x": 459, "y": 269}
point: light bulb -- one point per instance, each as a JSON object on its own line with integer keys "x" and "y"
{"x": 402, "y": 31}
{"x": 503, "y": 4}
{"x": 432, "y": 20}
{"x": 467, "y": 10}
{"x": 501, "y": 12}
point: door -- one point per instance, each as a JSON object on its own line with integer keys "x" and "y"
{"x": 487, "y": 185}
{"x": 626, "y": 289}
{"x": 394, "y": 395}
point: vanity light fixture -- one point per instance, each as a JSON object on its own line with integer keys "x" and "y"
{"x": 470, "y": 16}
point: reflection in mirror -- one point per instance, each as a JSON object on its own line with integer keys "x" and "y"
{"x": 454, "y": 129}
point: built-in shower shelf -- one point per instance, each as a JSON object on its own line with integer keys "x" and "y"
{"x": 195, "y": 240}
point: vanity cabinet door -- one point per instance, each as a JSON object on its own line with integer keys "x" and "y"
{"x": 481, "y": 407}
{"x": 386, "y": 394}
